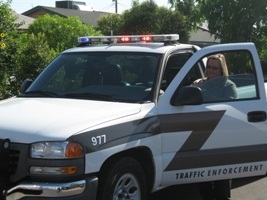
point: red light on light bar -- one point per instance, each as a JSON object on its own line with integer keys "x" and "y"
{"x": 146, "y": 38}
{"x": 125, "y": 39}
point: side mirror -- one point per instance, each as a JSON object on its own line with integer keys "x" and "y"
{"x": 188, "y": 95}
{"x": 25, "y": 85}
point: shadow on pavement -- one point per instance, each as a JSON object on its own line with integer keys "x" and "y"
{"x": 179, "y": 192}
{"x": 191, "y": 192}
{"x": 245, "y": 181}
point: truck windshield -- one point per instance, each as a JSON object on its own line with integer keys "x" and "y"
{"x": 116, "y": 76}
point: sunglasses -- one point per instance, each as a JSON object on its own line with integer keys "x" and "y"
{"x": 213, "y": 67}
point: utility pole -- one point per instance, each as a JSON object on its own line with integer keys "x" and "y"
{"x": 116, "y": 5}
{"x": 116, "y": 11}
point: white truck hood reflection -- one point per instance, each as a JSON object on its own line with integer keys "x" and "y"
{"x": 27, "y": 120}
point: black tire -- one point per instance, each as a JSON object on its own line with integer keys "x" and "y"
{"x": 123, "y": 180}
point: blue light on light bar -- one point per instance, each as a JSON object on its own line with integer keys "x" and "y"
{"x": 83, "y": 40}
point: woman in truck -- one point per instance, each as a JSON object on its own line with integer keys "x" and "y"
{"x": 216, "y": 86}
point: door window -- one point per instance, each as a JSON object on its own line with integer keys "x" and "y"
{"x": 228, "y": 76}
{"x": 173, "y": 66}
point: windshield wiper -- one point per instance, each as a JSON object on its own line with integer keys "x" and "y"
{"x": 92, "y": 96}
{"x": 40, "y": 93}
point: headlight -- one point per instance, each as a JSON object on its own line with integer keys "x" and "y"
{"x": 56, "y": 150}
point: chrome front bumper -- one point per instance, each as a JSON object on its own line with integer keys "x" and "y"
{"x": 51, "y": 190}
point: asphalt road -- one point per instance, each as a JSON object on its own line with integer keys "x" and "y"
{"x": 242, "y": 189}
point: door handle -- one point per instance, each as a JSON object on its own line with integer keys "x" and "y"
{"x": 257, "y": 116}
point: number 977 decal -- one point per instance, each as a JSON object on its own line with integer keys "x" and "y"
{"x": 98, "y": 140}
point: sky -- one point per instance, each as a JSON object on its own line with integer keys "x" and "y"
{"x": 20, "y": 6}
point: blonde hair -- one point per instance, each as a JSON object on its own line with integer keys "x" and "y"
{"x": 223, "y": 64}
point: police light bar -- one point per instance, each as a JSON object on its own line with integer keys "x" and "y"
{"x": 128, "y": 39}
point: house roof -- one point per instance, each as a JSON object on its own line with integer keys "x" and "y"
{"x": 87, "y": 17}
{"x": 202, "y": 36}
{"x": 25, "y": 20}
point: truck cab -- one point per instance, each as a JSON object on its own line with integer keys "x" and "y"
{"x": 118, "y": 117}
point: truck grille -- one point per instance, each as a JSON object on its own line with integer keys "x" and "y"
{"x": 13, "y": 161}
{"x": 18, "y": 161}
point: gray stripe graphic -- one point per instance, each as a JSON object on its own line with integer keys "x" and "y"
{"x": 218, "y": 157}
{"x": 201, "y": 124}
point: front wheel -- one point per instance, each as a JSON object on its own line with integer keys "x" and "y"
{"x": 123, "y": 180}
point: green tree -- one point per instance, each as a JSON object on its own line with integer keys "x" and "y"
{"x": 235, "y": 20}
{"x": 8, "y": 49}
{"x": 33, "y": 56}
{"x": 262, "y": 45}
{"x": 61, "y": 33}
{"x": 189, "y": 9}
{"x": 173, "y": 22}
{"x": 111, "y": 24}
{"x": 141, "y": 19}
{"x": 146, "y": 18}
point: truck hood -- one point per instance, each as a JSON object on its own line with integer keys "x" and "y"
{"x": 27, "y": 120}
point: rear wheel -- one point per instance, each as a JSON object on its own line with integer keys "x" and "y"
{"x": 123, "y": 180}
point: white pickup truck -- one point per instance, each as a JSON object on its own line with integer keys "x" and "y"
{"x": 117, "y": 118}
